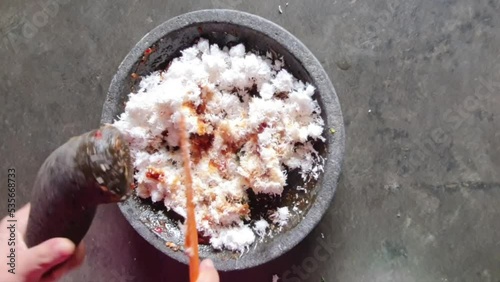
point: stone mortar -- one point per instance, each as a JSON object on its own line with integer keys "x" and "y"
{"x": 227, "y": 27}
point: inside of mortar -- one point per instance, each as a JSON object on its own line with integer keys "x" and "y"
{"x": 157, "y": 57}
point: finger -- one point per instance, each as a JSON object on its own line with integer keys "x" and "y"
{"x": 73, "y": 262}
{"x": 208, "y": 273}
{"x": 78, "y": 257}
{"x": 22, "y": 216}
{"x": 41, "y": 258}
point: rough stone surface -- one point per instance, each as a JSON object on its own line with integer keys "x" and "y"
{"x": 418, "y": 83}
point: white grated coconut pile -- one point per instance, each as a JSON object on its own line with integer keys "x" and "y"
{"x": 249, "y": 120}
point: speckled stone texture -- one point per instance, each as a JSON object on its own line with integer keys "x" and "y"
{"x": 419, "y": 85}
{"x": 229, "y": 27}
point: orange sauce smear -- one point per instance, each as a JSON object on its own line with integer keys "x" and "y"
{"x": 191, "y": 242}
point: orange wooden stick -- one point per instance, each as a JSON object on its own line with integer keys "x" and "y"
{"x": 191, "y": 243}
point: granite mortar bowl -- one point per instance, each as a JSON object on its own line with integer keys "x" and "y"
{"x": 227, "y": 28}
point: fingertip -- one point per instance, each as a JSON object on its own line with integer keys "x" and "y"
{"x": 207, "y": 264}
{"x": 64, "y": 247}
{"x": 208, "y": 272}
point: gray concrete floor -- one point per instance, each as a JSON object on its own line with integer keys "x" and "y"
{"x": 419, "y": 83}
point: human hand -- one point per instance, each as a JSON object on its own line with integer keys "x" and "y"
{"x": 208, "y": 273}
{"x": 46, "y": 262}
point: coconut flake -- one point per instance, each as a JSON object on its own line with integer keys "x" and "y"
{"x": 234, "y": 239}
{"x": 260, "y": 227}
{"x": 281, "y": 216}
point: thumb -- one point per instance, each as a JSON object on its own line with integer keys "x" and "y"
{"x": 44, "y": 256}
{"x": 208, "y": 273}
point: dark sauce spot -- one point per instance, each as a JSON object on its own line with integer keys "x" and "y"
{"x": 204, "y": 240}
{"x": 151, "y": 150}
{"x": 164, "y": 143}
{"x": 253, "y": 91}
{"x": 261, "y": 204}
{"x": 199, "y": 145}
{"x": 231, "y": 44}
{"x": 201, "y": 108}
{"x": 168, "y": 66}
{"x": 262, "y": 126}
{"x": 239, "y": 98}
{"x": 281, "y": 95}
{"x": 206, "y": 96}
{"x": 174, "y": 216}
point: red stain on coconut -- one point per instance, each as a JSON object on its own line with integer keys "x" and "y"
{"x": 153, "y": 174}
{"x": 262, "y": 126}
